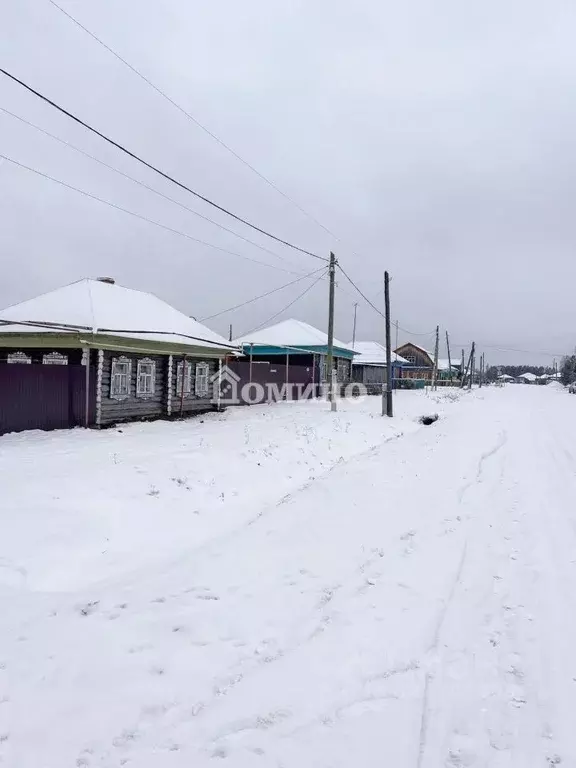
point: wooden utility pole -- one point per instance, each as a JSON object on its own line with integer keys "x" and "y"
{"x": 435, "y": 367}
{"x": 449, "y": 358}
{"x": 472, "y": 360}
{"x": 465, "y": 372}
{"x": 330, "y": 351}
{"x": 462, "y": 368}
{"x": 230, "y": 333}
{"x": 389, "y": 404}
{"x": 354, "y": 327}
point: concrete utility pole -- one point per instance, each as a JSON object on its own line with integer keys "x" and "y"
{"x": 435, "y": 367}
{"x": 330, "y": 355}
{"x": 354, "y": 327}
{"x": 449, "y": 358}
{"x": 389, "y": 404}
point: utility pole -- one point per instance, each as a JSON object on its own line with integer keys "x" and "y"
{"x": 465, "y": 372}
{"x": 396, "y": 345}
{"x": 449, "y": 358}
{"x": 354, "y": 328}
{"x": 435, "y": 367}
{"x": 472, "y": 356}
{"x": 480, "y": 374}
{"x": 389, "y": 404}
{"x": 230, "y": 333}
{"x": 462, "y": 368}
{"x": 330, "y": 355}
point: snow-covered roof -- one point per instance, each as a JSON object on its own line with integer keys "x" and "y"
{"x": 95, "y": 306}
{"x": 506, "y": 377}
{"x": 290, "y": 333}
{"x": 444, "y": 364}
{"x": 529, "y": 376}
{"x": 372, "y": 353}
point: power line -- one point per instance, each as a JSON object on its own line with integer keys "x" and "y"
{"x": 192, "y": 118}
{"x": 140, "y": 183}
{"x": 141, "y": 217}
{"x": 156, "y": 169}
{"x": 366, "y": 299}
{"x": 262, "y": 296}
{"x": 300, "y": 296}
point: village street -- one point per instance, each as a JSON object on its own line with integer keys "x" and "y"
{"x": 282, "y": 587}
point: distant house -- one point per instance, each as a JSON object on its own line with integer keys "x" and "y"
{"x": 419, "y": 362}
{"x": 528, "y": 378}
{"x": 504, "y": 378}
{"x": 292, "y": 352}
{"x": 369, "y": 365}
{"x": 94, "y": 353}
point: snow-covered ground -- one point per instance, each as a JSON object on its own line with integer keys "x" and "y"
{"x": 286, "y": 587}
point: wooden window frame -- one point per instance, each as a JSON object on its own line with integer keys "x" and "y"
{"x": 187, "y": 379}
{"x": 147, "y": 378}
{"x": 201, "y": 379}
{"x": 116, "y": 377}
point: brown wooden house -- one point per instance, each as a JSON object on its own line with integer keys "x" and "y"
{"x": 420, "y": 363}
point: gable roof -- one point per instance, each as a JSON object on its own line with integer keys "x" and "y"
{"x": 95, "y": 306}
{"x": 416, "y": 346}
{"x": 373, "y": 353}
{"x": 529, "y": 376}
{"x": 290, "y": 333}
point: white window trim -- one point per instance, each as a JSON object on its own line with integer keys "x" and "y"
{"x": 201, "y": 384}
{"x": 187, "y": 379}
{"x": 54, "y": 358}
{"x": 141, "y": 393}
{"x": 19, "y": 357}
{"x": 115, "y": 361}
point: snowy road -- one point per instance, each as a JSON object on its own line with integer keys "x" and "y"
{"x": 408, "y": 605}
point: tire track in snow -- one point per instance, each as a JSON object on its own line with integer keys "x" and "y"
{"x": 443, "y": 613}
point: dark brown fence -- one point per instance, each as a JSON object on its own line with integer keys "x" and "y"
{"x": 43, "y": 396}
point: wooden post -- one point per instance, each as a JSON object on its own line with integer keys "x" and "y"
{"x": 465, "y": 373}
{"x": 449, "y": 358}
{"x": 435, "y": 367}
{"x": 182, "y": 379}
{"x": 330, "y": 355}
{"x": 230, "y": 333}
{"x": 472, "y": 351}
{"x": 313, "y": 374}
{"x": 87, "y": 388}
{"x": 220, "y": 379}
{"x": 389, "y": 403}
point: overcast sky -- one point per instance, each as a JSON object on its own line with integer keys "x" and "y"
{"x": 435, "y": 138}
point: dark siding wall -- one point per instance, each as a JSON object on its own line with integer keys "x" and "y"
{"x": 192, "y": 403}
{"x": 133, "y": 407}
